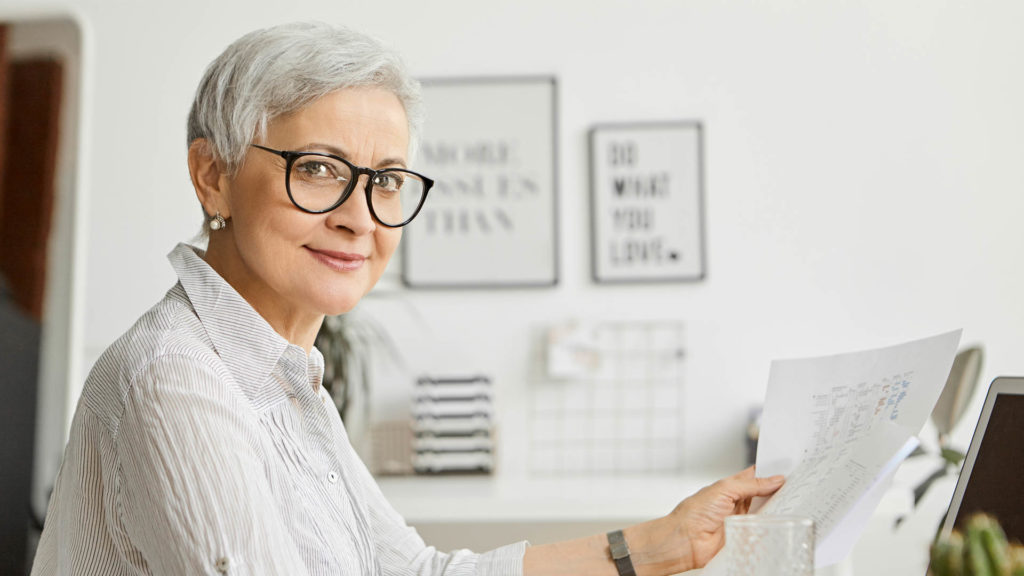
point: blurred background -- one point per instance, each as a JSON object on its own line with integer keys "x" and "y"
{"x": 862, "y": 185}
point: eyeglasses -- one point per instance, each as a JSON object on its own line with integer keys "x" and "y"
{"x": 318, "y": 183}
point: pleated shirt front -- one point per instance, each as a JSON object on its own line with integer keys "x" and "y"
{"x": 204, "y": 443}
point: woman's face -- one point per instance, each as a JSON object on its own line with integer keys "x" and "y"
{"x": 315, "y": 263}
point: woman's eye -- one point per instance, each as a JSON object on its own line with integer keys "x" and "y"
{"x": 316, "y": 169}
{"x": 388, "y": 181}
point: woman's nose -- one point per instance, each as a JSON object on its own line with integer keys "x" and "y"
{"x": 354, "y": 213}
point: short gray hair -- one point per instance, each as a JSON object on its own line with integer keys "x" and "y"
{"x": 278, "y": 70}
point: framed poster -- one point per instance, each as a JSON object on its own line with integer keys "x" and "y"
{"x": 647, "y": 213}
{"x": 489, "y": 221}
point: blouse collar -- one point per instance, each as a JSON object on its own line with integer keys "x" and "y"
{"x": 244, "y": 340}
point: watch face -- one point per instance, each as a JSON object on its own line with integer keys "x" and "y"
{"x": 618, "y": 545}
{"x": 620, "y": 553}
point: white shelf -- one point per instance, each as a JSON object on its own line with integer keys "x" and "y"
{"x": 458, "y": 499}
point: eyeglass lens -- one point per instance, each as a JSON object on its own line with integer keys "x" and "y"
{"x": 317, "y": 182}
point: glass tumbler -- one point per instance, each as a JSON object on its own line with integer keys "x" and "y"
{"x": 757, "y": 545}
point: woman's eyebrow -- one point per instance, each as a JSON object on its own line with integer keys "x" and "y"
{"x": 391, "y": 162}
{"x": 330, "y": 149}
{"x": 386, "y": 162}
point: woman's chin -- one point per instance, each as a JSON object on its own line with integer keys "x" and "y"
{"x": 343, "y": 299}
{"x": 340, "y": 306}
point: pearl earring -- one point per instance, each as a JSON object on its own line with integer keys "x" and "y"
{"x": 217, "y": 222}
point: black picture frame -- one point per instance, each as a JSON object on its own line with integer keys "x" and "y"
{"x": 466, "y": 105}
{"x": 650, "y": 248}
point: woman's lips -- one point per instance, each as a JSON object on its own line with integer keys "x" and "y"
{"x": 340, "y": 261}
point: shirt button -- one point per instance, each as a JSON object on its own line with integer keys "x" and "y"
{"x": 222, "y": 565}
{"x": 332, "y": 476}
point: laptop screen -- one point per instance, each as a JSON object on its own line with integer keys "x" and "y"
{"x": 992, "y": 478}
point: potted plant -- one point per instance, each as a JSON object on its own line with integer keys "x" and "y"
{"x": 949, "y": 410}
{"x": 351, "y": 344}
{"x": 984, "y": 551}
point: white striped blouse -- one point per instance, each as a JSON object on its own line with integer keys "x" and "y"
{"x": 203, "y": 443}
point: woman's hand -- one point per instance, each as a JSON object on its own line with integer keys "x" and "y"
{"x": 695, "y": 531}
{"x": 685, "y": 539}
{"x": 702, "y": 515}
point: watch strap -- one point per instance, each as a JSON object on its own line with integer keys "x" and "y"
{"x": 620, "y": 553}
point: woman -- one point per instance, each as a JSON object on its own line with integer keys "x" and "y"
{"x": 204, "y": 442}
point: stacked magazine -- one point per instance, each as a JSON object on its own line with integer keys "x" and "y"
{"x": 452, "y": 425}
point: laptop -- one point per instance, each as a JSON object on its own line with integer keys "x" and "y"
{"x": 992, "y": 477}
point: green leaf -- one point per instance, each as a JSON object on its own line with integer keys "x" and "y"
{"x": 996, "y": 547}
{"x": 978, "y": 561}
{"x": 952, "y": 456}
{"x": 947, "y": 556}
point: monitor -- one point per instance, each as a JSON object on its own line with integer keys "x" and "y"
{"x": 992, "y": 477}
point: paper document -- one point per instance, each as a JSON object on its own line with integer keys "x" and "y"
{"x": 829, "y": 489}
{"x": 838, "y": 427}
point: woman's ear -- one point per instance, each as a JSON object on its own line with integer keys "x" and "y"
{"x": 208, "y": 178}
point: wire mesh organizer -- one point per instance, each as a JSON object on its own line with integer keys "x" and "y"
{"x": 609, "y": 399}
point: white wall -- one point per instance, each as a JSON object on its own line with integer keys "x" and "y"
{"x": 862, "y": 170}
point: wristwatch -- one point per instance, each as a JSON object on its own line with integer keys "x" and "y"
{"x": 620, "y": 553}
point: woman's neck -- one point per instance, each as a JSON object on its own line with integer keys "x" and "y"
{"x": 298, "y": 326}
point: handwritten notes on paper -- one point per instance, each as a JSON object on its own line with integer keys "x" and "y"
{"x": 838, "y": 427}
{"x": 827, "y": 487}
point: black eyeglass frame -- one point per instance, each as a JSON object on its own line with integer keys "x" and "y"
{"x": 291, "y": 156}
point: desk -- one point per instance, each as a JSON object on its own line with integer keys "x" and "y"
{"x": 484, "y": 512}
{"x": 481, "y": 513}
{"x": 469, "y": 499}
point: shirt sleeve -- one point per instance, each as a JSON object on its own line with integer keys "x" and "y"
{"x": 402, "y": 552}
{"x": 191, "y": 487}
